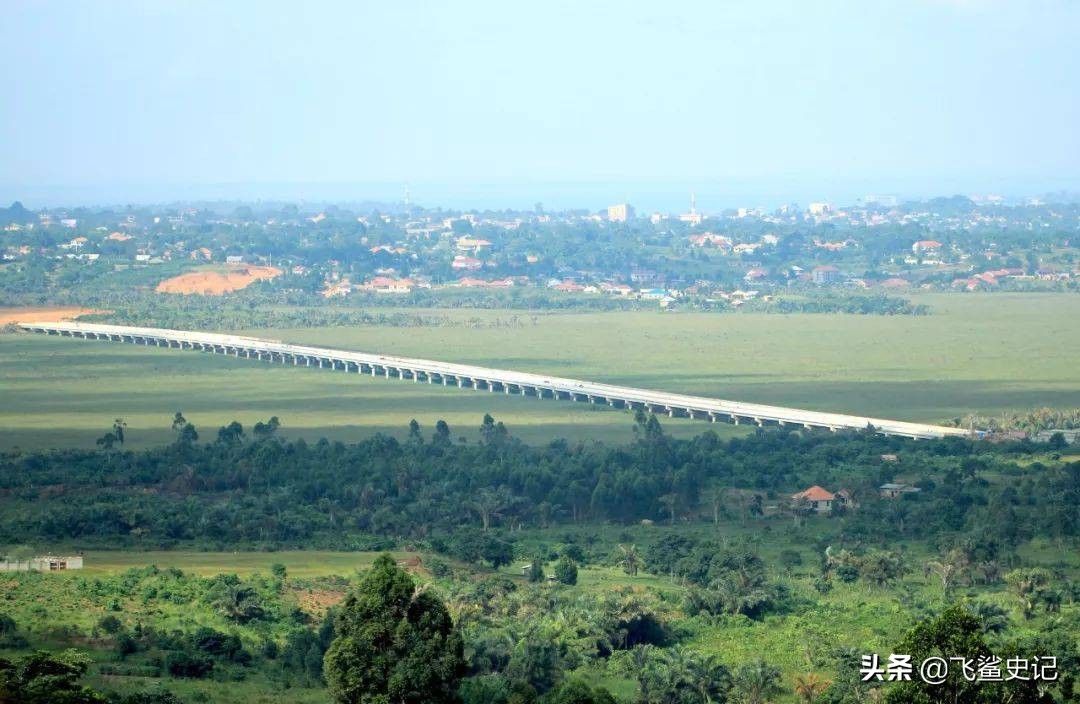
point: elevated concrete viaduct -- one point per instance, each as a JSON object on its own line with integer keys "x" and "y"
{"x": 492, "y": 380}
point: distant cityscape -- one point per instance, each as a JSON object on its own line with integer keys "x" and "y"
{"x": 720, "y": 259}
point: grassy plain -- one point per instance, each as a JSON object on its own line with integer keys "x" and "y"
{"x": 982, "y": 353}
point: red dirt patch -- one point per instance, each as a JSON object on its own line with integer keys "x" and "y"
{"x": 215, "y": 283}
{"x": 41, "y": 315}
{"x": 317, "y": 602}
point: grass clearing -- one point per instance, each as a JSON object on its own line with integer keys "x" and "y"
{"x": 976, "y": 353}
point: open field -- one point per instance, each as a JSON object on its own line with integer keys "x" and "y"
{"x": 982, "y": 353}
{"x": 300, "y": 563}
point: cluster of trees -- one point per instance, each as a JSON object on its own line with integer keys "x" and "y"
{"x": 52, "y": 678}
{"x": 836, "y": 302}
{"x": 467, "y": 498}
{"x": 397, "y": 643}
{"x": 1029, "y": 421}
{"x": 725, "y": 579}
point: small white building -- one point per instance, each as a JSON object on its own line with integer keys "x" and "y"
{"x": 44, "y": 563}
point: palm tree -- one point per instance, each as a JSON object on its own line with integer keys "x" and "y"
{"x": 991, "y": 571}
{"x": 756, "y": 682}
{"x": 808, "y": 687}
{"x": 643, "y": 668}
{"x": 948, "y": 568}
{"x": 706, "y": 676}
{"x": 630, "y": 561}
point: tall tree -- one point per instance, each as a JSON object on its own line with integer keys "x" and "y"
{"x": 394, "y": 644}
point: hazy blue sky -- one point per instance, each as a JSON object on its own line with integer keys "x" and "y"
{"x": 566, "y": 101}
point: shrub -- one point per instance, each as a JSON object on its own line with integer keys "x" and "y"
{"x": 186, "y": 664}
{"x": 566, "y": 571}
{"x": 125, "y": 645}
{"x": 790, "y": 558}
{"x": 847, "y": 573}
{"x": 110, "y": 624}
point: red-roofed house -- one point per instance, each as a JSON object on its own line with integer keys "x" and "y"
{"x": 466, "y": 263}
{"x": 755, "y": 275}
{"x": 926, "y": 246}
{"x": 385, "y": 284}
{"x": 820, "y": 500}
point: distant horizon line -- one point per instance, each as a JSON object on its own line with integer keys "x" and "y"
{"x": 555, "y": 196}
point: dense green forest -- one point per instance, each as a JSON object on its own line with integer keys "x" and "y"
{"x": 245, "y": 486}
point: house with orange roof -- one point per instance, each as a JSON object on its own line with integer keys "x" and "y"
{"x": 471, "y": 244}
{"x": 463, "y": 263}
{"x": 818, "y": 499}
{"x": 386, "y": 284}
{"x": 925, "y": 246}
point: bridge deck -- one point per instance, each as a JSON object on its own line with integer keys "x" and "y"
{"x": 463, "y": 375}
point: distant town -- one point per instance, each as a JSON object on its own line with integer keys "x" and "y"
{"x": 720, "y": 260}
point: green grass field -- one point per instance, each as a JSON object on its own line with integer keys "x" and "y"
{"x": 299, "y": 563}
{"x": 976, "y": 353}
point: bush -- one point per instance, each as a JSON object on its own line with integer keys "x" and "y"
{"x": 9, "y": 633}
{"x": 536, "y": 569}
{"x": 110, "y": 624}
{"x": 790, "y": 558}
{"x": 270, "y": 649}
{"x": 575, "y": 552}
{"x": 125, "y": 645}
{"x": 566, "y": 571}
{"x": 151, "y": 696}
{"x": 185, "y": 664}
{"x": 577, "y": 692}
{"x": 847, "y": 573}
{"x": 220, "y": 645}
{"x": 439, "y": 568}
